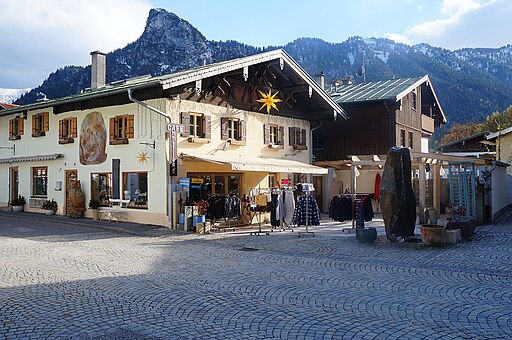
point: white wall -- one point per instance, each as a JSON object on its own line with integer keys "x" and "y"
{"x": 499, "y": 193}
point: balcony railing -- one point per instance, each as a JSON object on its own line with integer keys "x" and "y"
{"x": 427, "y": 124}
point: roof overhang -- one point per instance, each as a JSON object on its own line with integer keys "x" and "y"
{"x": 245, "y": 163}
{"x": 36, "y": 158}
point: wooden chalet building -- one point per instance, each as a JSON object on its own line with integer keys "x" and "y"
{"x": 382, "y": 114}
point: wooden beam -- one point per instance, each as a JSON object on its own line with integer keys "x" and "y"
{"x": 437, "y": 187}
{"x": 422, "y": 192}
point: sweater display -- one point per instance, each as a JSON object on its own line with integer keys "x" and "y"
{"x": 306, "y": 211}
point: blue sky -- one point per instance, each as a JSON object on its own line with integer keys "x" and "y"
{"x": 40, "y": 36}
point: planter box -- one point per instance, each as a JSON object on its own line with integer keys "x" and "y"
{"x": 453, "y": 236}
{"x": 17, "y": 208}
{"x": 433, "y": 234}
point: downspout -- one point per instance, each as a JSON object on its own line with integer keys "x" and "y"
{"x": 170, "y": 211}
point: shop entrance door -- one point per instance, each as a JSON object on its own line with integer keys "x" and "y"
{"x": 318, "y": 184}
{"x": 71, "y": 177}
{"x": 13, "y": 182}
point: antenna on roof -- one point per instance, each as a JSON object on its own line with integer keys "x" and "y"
{"x": 362, "y": 72}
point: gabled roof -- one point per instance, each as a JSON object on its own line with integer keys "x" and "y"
{"x": 195, "y": 74}
{"x": 500, "y": 133}
{"x": 5, "y": 106}
{"x": 477, "y": 137}
{"x": 384, "y": 90}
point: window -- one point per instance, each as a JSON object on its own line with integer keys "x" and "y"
{"x": 224, "y": 184}
{"x": 67, "y": 130}
{"x": 15, "y": 128}
{"x": 402, "y": 137}
{"x": 39, "y": 181}
{"x": 411, "y": 139}
{"x": 413, "y": 97}
{"x": 135, "y": 189}
{"x": 40, "y": 124}
{"x": 298, "y": 138}
{"x": 196, "y": 125}
{"x": 232, "y": 128}
{"x": 101, "y": 187}
{"x": 121, "y": 129}
{"x": 273, "y": 134}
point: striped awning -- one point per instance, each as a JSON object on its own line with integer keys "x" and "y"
{"x": 36, "y": 158}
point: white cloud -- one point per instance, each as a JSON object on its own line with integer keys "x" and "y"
{"x": 466, "y": 23}
{"x": 399, "y": 38}
{"x": 40, "y": 36}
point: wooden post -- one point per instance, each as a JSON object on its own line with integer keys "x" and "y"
{"x": 422, "y": 191}
{"x": 437, "y": 187}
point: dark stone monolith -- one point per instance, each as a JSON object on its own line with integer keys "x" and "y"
{"x": 397, "y": 200}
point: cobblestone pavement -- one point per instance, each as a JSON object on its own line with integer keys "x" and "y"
{"x": 94, "y": 284}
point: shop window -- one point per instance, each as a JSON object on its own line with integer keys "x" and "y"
{"x": 121, "y": 129}
{"x": 272, "y": 182}
{"x": 67, "y": 130}
{"x": 410, "y": 139}
{"x": 273, "y": 135}
{"x": 101, "y": 187}
{"x": 40, "y": 124}
{"x": 223, "y": 184}
{"x": 15, "y": 128}
{"x": 402, "y": 137}
{"x": 135, "y": 189}
{"x": 298, "y": 138}
{"x": 233, "y": 128}
{"x": 196, "y": 126}
{"x": 40, "y": 181}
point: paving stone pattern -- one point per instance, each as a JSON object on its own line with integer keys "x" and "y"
{"x": 224, "y": 286}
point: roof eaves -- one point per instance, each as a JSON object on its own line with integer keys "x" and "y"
{"x": 499, "y": 133}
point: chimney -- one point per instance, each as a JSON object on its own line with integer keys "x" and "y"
{"x": 98, "y": 69}
{"x": 320, "y": 79}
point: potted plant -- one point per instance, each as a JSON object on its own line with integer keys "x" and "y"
{"x": 94, "y": 205}
{"x": 50, "y": 207}
{"x": 18, "y": 203}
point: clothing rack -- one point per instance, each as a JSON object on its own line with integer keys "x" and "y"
{"x": 256, "y": 191}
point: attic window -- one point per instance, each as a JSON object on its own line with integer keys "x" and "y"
{"x": 413, "y": 96}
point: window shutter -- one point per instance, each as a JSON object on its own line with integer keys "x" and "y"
{"x": 73, "y": 128}
{"x": 185, "y": 121}
{"x": 243, "y": 130}
{"x": 112, "y": 127}
{"x": 266, "y": 134}
{"x": 129, "y": 131}
{"x": 46, "y": 121}
{"x": 20, "y": 126}
{"x": 61, "y": 129}
{"x": 280, "y": 136}
{"x": 224, "y": 133}
{"x": 11, "y": 123}
{"x": 207, "y": 126}
{"x": 290, "y": 136}
{"x": 34, "y": 121}
{"x": 303, "y": 137}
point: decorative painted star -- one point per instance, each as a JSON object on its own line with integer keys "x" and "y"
{"x": 143, "y": 157}
{"x": 269, "y": 100}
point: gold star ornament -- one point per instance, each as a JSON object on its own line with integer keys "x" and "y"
{"x": 143, "y": 157}
{"x": 269, "y": 100}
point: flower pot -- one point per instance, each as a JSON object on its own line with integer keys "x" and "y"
{"x": 95, "y": 214}
{"x": 433, "y": 234}
{"x": 17, "y": 208}
{"x": 49, "y": 212}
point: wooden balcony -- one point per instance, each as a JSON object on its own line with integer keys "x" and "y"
{"x": 427, "y": 124}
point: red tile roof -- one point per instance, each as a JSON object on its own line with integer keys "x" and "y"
{"x": 7, "y": 106}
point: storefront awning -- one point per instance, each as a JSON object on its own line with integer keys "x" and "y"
{"x": 245, "y": 163}
{"x": 31, "y": 158}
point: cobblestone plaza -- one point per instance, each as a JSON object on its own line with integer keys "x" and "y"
{"x": 72, "y": 281}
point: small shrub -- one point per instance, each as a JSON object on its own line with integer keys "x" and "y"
{"x": 94, "y": 204}
{"x": 50, "y": 205}
{"x": 18, "y": 201}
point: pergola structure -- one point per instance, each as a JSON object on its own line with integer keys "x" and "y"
{"x": 419, "y": 162}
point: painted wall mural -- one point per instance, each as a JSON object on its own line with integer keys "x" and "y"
{"x": 93, "y": 140}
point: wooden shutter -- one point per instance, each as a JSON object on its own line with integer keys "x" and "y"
{"x": 112, "y": 128}
{"x": 46, "y": 121}
{"x": 290, "y": 136}
{"x": 266, "y": 134}
{"x": 280, "y": 135}
{"x": 19, "y": 121}
{"x": 73, "y": 127}
{"x": 224, "y": 133}
{"x": 61, "y": 129}
{"x": 303, "y": 137}
{"x": 34, "y": 122}
{"x": 207, "y": 126}
{"x": 185, "y": 121}
{"x": 243, "y": 130}
{"x": 129, "y": 130}
{"x": 11, "y": 125}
